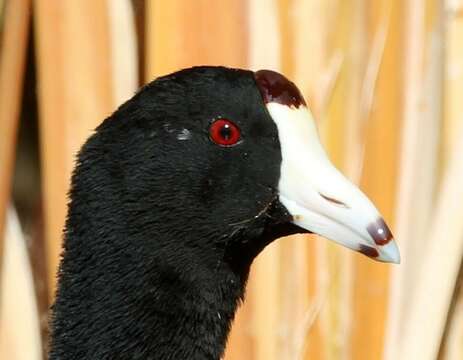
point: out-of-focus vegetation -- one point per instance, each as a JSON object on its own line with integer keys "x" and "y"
{"x": 384, "y": 80}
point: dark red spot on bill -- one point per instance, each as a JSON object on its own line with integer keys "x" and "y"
{"x": 368, "y": 251}
{"x": 380, "y": 232}
{"x": 274, "y": 87}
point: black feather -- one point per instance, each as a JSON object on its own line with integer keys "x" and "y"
{"x": 161, "y": 232}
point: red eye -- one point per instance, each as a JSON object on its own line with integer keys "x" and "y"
{"x": 224, "y": 132}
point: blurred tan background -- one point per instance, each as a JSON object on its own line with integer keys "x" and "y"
{"x": 384, "y": 79}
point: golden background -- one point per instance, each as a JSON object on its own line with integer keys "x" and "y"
{"x": 384, "y": 79}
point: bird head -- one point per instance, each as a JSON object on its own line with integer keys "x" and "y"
{"x": 230, "y": 160}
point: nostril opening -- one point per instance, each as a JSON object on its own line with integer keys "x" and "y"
{"x": 334, "y": 201}
{"x": 380, "y": 232}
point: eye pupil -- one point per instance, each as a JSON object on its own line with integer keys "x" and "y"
{"x": 224, "y": 132}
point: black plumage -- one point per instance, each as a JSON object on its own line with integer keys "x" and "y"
{"x": 163, "y": 223}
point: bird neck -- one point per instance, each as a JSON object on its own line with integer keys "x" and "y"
{"x": 128, "y": 291}
{"x": 131, "y": 308}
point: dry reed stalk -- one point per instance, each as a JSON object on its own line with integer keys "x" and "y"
{"x": 326, "y": 42}
{"x": 315, "y": 68}
{"x": 452, "y": 344}
{"x": 329, "y": 312}
{"x": 263, "y": 24}
{"x": 124, "y": 59}
{"x": 453, "y": 128}
{"x": 420, "y": 141}
{"x": 349, "y": 116}
{"x": 360, "y": 73}
{"x": 453, "y": 122}
{"x": 20, "y": 320}
{"x": 437, "y": 277}
{"x": 260, "y": 327}
{"x": 358, "y": 80}
{"x": 344, "y": 24}
{"x": 285, "y": 13}
{"x": 370, "y": 286}
{"x": 181, "y": 34}
{"x": 298, "y": 21}
{"x": 319, "y": 38}
{"x": 265, "y": 301}
{"x": 14, "y": 37}
{"x": 292, "y": 294}
{"x": 242, "y": 340}
{"x": 327, "y": 325}
{"x": 75, "y": 89}
{"x": 298, "y": 279}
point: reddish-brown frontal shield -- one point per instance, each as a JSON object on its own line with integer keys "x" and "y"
{"x": 274, "y": 87}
